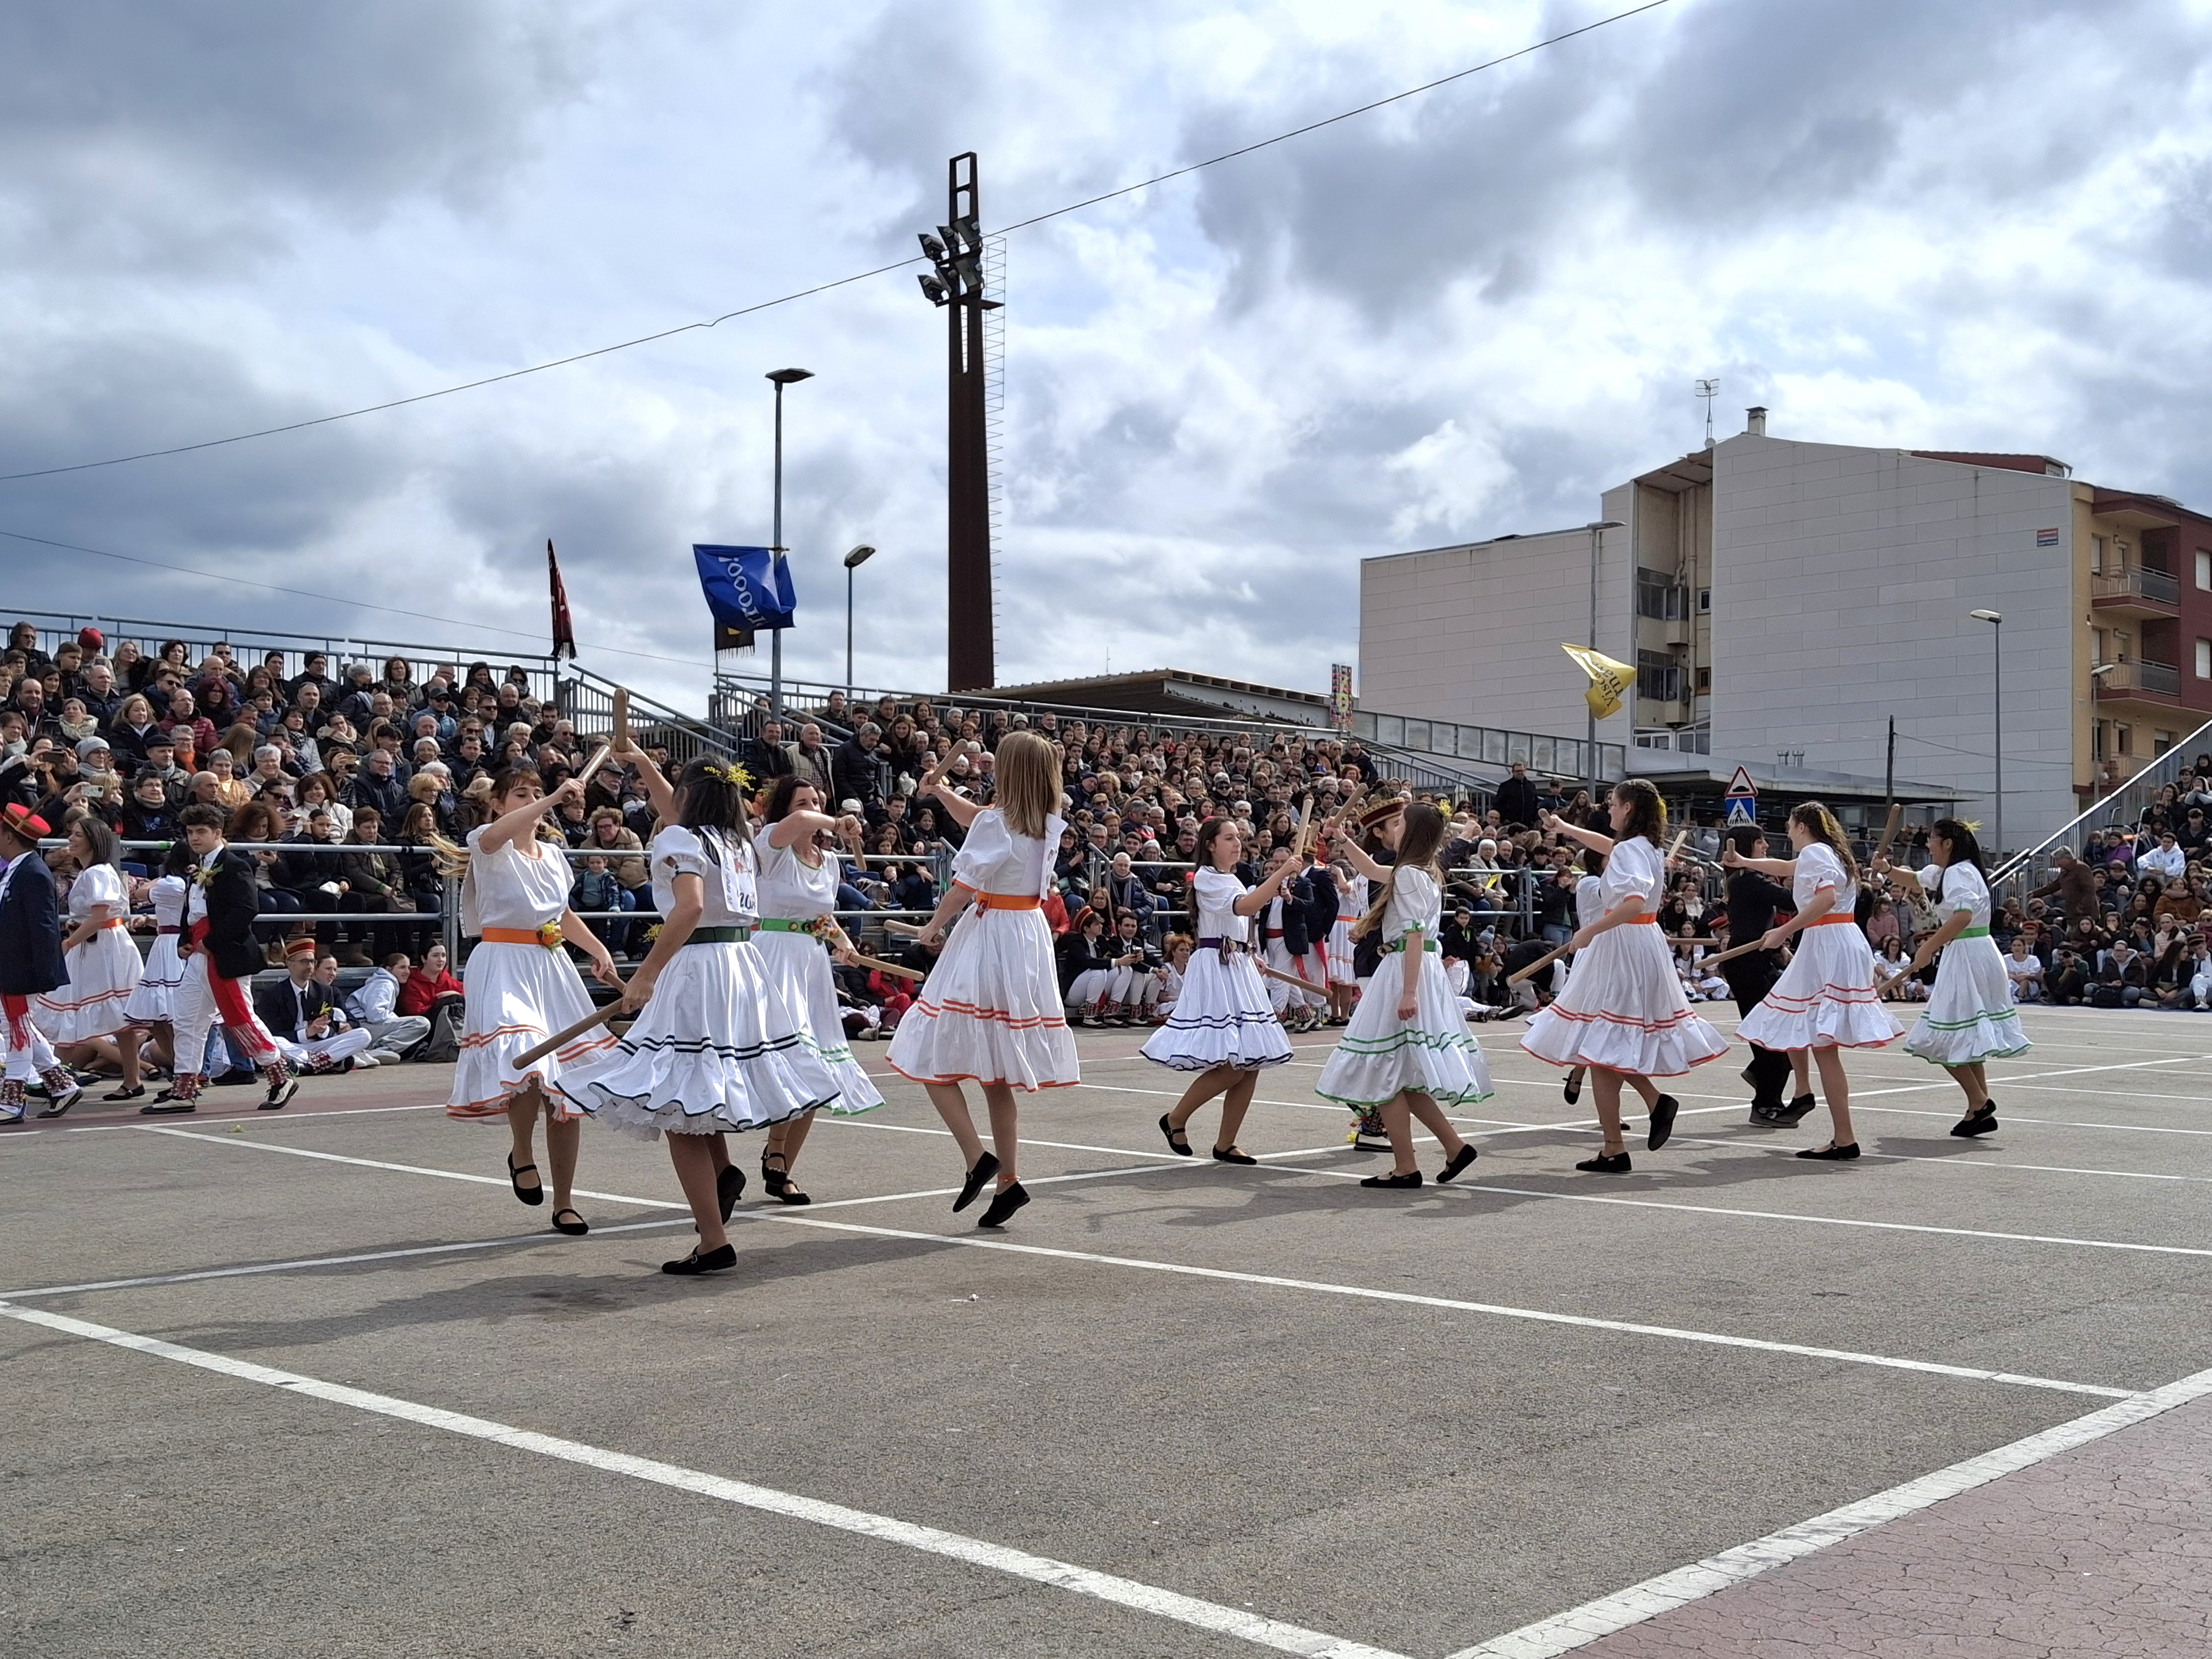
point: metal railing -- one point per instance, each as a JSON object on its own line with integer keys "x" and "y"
{"x": 1561, "y": 757}
{"x": 2140, "y": 583}
{"x": 2123, "y": 679}
{"x": 2123, "y": 809}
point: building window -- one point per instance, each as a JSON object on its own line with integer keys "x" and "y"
{"x": 2204, "y": 660}
{"x": 1660, "y": 598}
{"x": 2097, "y": 547}
{"x": 2160, "y": 742}
{"x": 2203, "y": 565}
{"x": 2122, "y": 739}
{"x": 2097, "y": 743}
{"x": 2204, "y": 570}
{"x": 1658, "y": 680}
{"x": 1706, "y": 675}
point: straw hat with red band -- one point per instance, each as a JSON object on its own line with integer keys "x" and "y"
{"x": 303, "y": 946}
{"x": 26, "y": 824}
{"x": 1375, "y": 811}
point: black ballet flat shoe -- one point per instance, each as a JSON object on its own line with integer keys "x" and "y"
{"x": 1662, "y": 1120}
{"x": 1232, "y": 1155}
{"x": 730, "y": 1187}
{"x": 575, "y": 1229}
{"x": 789, "y": 1192}
{"x": 986, "y": 1167}
{"x": 1004, "y": 1203}
{"x": 1407, "y": 1182}
{"x": 1606, "y": 1164}
{"x": 66, "y": 1102}
{"x": 166, "y": 1104}
{"x": 1464, "y": 1157}
{"x": 774, "y": 1180}
{"x": 117, "y": 1094}
{"x": 1832, "y": 1153}
{"x": 1980, "y": 1121}
{"x": 514, "y": 1174}
{"x": 1795, "y": 1110}
{"x": 713, "y": 1261}
{"x": 1572, "y": 1089}
{"x": 1178, "y": 1140}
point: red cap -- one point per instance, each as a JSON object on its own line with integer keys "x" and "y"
{"x": 24, "y": 822}
{"x": 299, "y": 947}
{"x": 92, "y": 640}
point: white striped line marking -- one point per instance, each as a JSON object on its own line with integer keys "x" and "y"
{"x": 1498, "y": 1311}
{"x": 1581, "y": 1625}
{"x": 976, "y": 1552}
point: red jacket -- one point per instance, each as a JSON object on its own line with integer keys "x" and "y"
{"x": 421, "y": 992}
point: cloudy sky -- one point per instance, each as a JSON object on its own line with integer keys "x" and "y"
{"x": 1981, "y": 224}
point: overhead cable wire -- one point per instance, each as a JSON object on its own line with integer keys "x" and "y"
{"x": 841, "y": 282}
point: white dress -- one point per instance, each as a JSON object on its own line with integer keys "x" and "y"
{"x": 1339, "y": 932}
{"x": 515, "y": 996}
{"x": 1825, "y": 996}
{"x": 715, "y": 1047}
{"x": 797, "y": 964}
{"x": 1589, "y": 905}
{"x": 103, "y": 971}
{"x": 1381, "y": 1056}
{"x": 1623, "y": 1008}
{"x": 1223, "y": 1015}
{"x": 1970, "y": 1015}
{"x": 990, "y": 1009}
{"x": 155, "y": 995}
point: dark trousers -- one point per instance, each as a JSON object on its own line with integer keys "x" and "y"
{"x": 1749, "y": 980}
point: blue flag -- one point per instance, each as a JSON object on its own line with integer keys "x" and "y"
{"x": 747, "y": 588}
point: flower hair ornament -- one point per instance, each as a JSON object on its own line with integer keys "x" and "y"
{"x": 736, "y": 776}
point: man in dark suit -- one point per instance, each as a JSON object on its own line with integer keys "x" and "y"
{"x": 302, "y": 1012}
{"x": 1515, "y": 799}
{"x": 30, "y": 965}
{"x": 219, "y": 959}
{"x": 1753, "y": 900}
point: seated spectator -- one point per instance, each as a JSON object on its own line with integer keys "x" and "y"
{"x": 2025, "y": 970}
{"x": 431, "y": 985}
{"x": 1086, "y": 969}
{"x": 371, "y": 882}
{"x": 376, "y": 1006}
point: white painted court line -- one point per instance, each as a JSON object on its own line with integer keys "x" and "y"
{"x": 976, "y": 1552}
{"x": 969, "y": 1241}
{"x": 1581, "y": 1625}
{"x": 1542, "y": 1316}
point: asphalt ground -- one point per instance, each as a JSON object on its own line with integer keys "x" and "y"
{"x": 324, "y": 1387}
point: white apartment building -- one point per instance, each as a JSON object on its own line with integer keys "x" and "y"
{"x": 1782, "y": 601}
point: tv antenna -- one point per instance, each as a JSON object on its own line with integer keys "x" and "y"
{"x": 1709, "y": 390}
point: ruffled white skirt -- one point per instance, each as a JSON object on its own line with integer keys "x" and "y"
{"x": 990, "y": 1009}
{"x": 799, "y": 967}
{"x": 1380, "y": 1055}
{"x": 1623, "y": 1009}
{"x": 716, "y": 1049}
{"x": 518, "y": 995}
{"x": 1340, "y": 952}
{"x": 155, "y": 996}
{"x": 1970, "y": 1015}
{"x": 1825, "y": 996}
{"x": 103, "y": 971}
{"x": 1223, "y": 1017}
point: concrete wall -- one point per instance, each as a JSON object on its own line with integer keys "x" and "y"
{"x": 1472, "y": 633}
{"x": 1842, "y": 578}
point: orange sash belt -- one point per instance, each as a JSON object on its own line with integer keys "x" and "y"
{"x": 1836, "y": 919}
{"x": 1007, "y": 902}
{"x": 1651, "y": 916}
{"x": 514, "y": 936}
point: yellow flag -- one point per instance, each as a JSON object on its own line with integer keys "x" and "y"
{"x": 1609, "y": 680}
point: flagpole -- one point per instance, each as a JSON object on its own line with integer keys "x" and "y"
{"x": 775, "y": 558}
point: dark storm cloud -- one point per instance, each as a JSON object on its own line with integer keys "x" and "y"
{"x": 184, "y": 137}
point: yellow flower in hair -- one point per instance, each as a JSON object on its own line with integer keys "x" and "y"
{"x": 736, "y": 776}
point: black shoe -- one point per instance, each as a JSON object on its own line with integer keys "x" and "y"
{"x": 1458, "y": 1165}
{"x": 514, "y": 1172}
{"x": 280, "y": 1096}
{"x": 729, "y": 1187}
{"x": 1405, "y": 1181}
{"x": 1232, "y": 1155}
{"x": 113, "y": 1094}
{"x": 1795, "y": 1110}
{"x": 1832, "y": 1153}
{"x": 1178, "y": 1140}
{"x": 1980, "y": 1121}
{"x": 1604, "y": 1163}
{"x": 235, "y": 1080}
{"x": 713, "y": 1263}
{"x": 1662, "y": 1120}
{"x": 1004, "y": 1203}
{"x": 1769, "y": 1117}
{"x": 167, "y": 1105}
{"x": 1572, "y": 1089}
{"x": 774, "y": 1180}
{"x": 62, "y": 1104}
{"x": 986, "y": 1167}
{"x": 575, "y": 1229}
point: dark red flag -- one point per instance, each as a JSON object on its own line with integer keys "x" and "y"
{"x": 564, "y": 628}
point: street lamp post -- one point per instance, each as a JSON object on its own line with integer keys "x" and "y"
{"x": 859, "y": 556}
{"x": 782, "y": 376}
{"x": 1995, "y": 620}
{"x": 1589, "y": 746}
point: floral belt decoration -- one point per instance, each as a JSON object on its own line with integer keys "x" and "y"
{"x": 551, "y": 936}
{"x": 826, "y": 929}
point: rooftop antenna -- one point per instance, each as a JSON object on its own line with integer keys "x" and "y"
{"x": 1709, "y": 390}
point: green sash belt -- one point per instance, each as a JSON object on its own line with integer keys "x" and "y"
{"x": 1975, "y": 933}
{"x": 1398, "y": 944}
{"x": 780, "y": 925}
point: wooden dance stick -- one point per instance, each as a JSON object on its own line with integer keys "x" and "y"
{"x": 1305, "y": 836}
{"x": 1288, "y": 978}
{"x": 905, "y": 929}
{"x": 621, "y": 713}
{"x": 1733, "y": 952}
{"x": 883, "y": 967}
{"x": 1535, "y": 967}
{"x": 1675, "y": 848}
{"x": 599, "y": 759}
{"x": 1889, "y": 831}
{"x": 562, "y": 1038}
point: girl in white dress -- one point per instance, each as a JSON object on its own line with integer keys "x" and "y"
{"x": 1301, "y": 1006}
{"x": 798, "y": 892}
{"x": 152, "y": 999}
{"x": 990, "y": 1011}
{"x": 1623, "y": 1014}
{"x": 1970, "y": 1018}
{"x": 716, "y": 1047}
{"x": 1351, "y": 902}
{"x": 1407, "y": 1050}
{"x": 1589, "y": 905}
{"x": 1223, "y": 1027}
{"x": 85, "y": 1019}
{"x": 520, "y": 987}
{"x": 1825, "y": 1001}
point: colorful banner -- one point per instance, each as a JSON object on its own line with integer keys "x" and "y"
{"x": 564, "y": 629}
{"x": 748, "y": 589}
{"x": 1340, "y": 696}
{"x": 1609, "y": 680}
